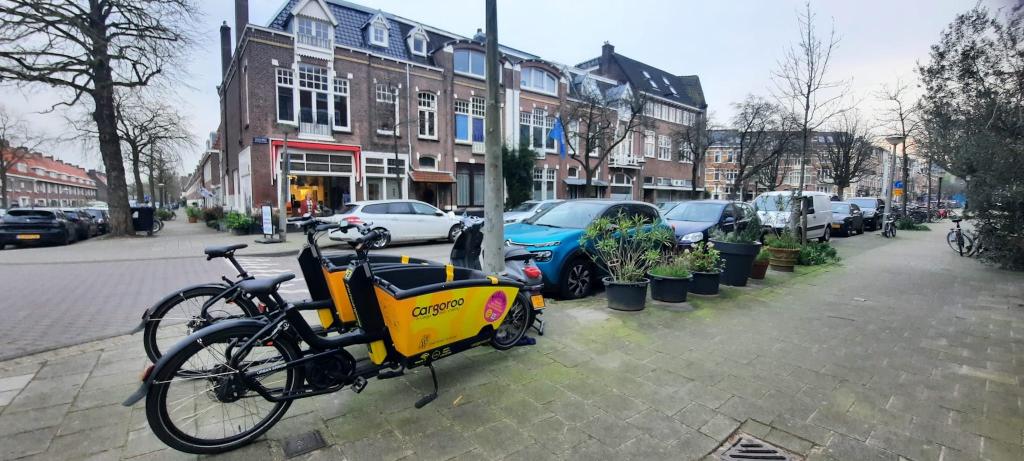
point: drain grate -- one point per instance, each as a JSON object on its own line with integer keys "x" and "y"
{"x": 742, "y": 446}
{"x": 303, "y": 443}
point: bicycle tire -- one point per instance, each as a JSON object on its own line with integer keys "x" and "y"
{"x": 158, "y": 225}
{"x": 197, "y": 296}
{"x": 951, "y": 240}
{"x": 160, "y": 415}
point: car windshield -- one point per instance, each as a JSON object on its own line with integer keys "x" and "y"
{"x": 667, "y": 206}
{"x": 347, "y": 208}
{"x": 95, "y": 213}
{"x": 777, "y": 202}
{"x": 864, "y": 202}
{"x": 31, "y": 213}
{"x": 841, "y": 208}
{"x": 572, "y": 215}
{"x": 525, "y": 206}
{"x": 706, "y": 212}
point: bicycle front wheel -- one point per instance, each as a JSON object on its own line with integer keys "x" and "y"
{"x": 181, "y": 315}
{"x": 199, "y": 403}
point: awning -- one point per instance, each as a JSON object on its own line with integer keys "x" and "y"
{"x": 583, "y": 182}
{"x": 431, "y": 176}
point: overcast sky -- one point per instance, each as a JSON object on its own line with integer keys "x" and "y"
{"x": 733, "y": 46}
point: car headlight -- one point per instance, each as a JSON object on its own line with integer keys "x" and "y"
{"x": 542, "y": 256}
{"x": 692, "y": 237}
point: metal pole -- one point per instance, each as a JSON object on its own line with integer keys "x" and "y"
{"x": 494, "y": 231}
{"x": 282, "y": 202}
{"x": 887, "y": 163}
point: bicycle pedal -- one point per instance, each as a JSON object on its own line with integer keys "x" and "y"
{"x": 389, "y": 374}
{"x": 359, "y": 384}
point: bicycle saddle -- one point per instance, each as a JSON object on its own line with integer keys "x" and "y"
{"x": 265, "y": 286}
{"x": 217, "y": 252}
{"x": 957, "y": 219}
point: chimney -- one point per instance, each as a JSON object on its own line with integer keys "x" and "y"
{"x": 225, "y": 49}
{"x": 241, "y": 19}
{"x": 480, "y": 36}
{"x": 607, "y": 50}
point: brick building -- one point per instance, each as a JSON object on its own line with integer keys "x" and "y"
{"x": 41, "y": 180}
{"x": 203, "y": 186}
{"x": 377, "y": 106}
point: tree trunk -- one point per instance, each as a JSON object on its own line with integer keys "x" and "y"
{"x": 906, "y": 178}
{"x": 152, "y": 182}
{"x": 3, "y": 187}
{"x": 839, "y": 191}
{"x": 140, "y": 191}
{"x": 693, "y": 179}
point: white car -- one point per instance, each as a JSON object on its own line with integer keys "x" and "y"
{"x": 528, "y": 209}
{"x": 773, "y": 208}
{"x": 405, "y": 221}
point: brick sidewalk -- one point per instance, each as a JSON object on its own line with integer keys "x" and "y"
{"x": 905, "y": 351}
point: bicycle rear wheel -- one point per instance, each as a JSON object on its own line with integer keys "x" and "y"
{"x": 199, "y": 404}
{"x": 180, "y": 316}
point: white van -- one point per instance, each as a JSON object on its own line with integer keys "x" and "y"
{"x": 773, "y": 208}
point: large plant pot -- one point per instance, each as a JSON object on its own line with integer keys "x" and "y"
{"x": 669, "y": 289}
{"x": 705, "y": 283}
{"x": 240, "y": 231}
{"x": 193, "y": 219}
{"x": 783, "y": 259}
{"x": 739, "y": 259}
{"x": 759, "y": 269}
{"x": 626, "y": 296}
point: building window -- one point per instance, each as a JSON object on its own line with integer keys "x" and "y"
{"x": 469, "y": 62}
{"x": 462, "y": 131}
{"x": 378, "y": 31}
{"x": 572, "y": 172}
{"x": 729, "y": 158}
{"x": 469, "y": 120}
{"x": 418, "y": 42}
{"x": 532, "y": 78}
{"x": 382, "y": 178}
{"x": 384, "y": 94}
{"x": 718, "y": 156}
{"x": 544, "y": 181}
{"x": 649, "y": 143}
{"x": 428, "y": 163}
{"x": 469, "y": 182}
{"x": 312, "y": 32}
{"x": 535, "y": 129}
{"x": 387, "y": 95}
{"x": 664, "y": 148}
{"x": 341, "y": 104}
{"x": 285, "y": 96}
{"x": 428, "y": 115}
{"x": 313, "y": 94}
{"x": 625, "y": 147}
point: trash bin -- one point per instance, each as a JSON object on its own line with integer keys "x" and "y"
{"x": 142, "y": 219}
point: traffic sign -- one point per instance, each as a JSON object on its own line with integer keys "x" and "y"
{"x": 897, "y": 185}
{"x": 897, "y": 192}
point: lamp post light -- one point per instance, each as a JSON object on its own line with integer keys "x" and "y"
{"x": 886, "y": 178}
{"x": 163, "y": 203}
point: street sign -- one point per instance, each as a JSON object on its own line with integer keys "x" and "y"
{"x": 897, "y": 185}
{"x": 268, "y": 224}
{"x": 260, "y": 140}
{"x": 897, "y": 192}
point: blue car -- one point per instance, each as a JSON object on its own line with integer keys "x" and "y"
{"x": 553, "y": 237}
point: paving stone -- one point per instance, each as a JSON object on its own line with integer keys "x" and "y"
{"x": 111, "y": 396}
{"x": 356, "y": 426}
{"x": 905, "y": 445}
{"x": 41, "y": 393}
{"x": 740, "y": 408}
{"x": 755, "y": 428}
{"x": 719, "y": 427}
{"x": 703, "y": 394}
{"x": 695, "y": 415}
{"x": 788, "y": 441}
{"x": 82, "y": 363}
{"x": 842, "y": 447}
{"x": 657, "y": 426}
{"x": 556, "y": 435}
{"x": 258, "y": 450}
{"x": 472, "y": 416}
{"x": 618, "y": 405}
{"x": 499, "y": 439}
{"x": 95, "y": 440}
{"x": 14, "y": 422}
{"x": 532, "y": 452}
{"x": 946, "y": 435}
{"x": 166, "y": 454}
{"x": 693, "y": 445}
{"x": 27, "y": 443}
{"x": 995, "y": 450}
{"x": 15, "y": 383}
{"x": 842, "y": 423}
{"x": 386, "y": 446}
{"x": 646, "y": 449}
{"x": 573, "y": 410}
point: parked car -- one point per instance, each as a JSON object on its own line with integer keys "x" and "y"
{"x": 528, "y": 209}
{"x": 693, "y": 221}
{"x": 405, "y": 221}
{"x": 774, "y": 209}
{"x": 83, "y": 221}
{"x": 665, "y": 207}
{"x": 872, "y": 209}
{"x": 554, "y": 238}
{"x": 101, "y": 217}
{"x": 847, "y": 218}
{"x": 30, "y": 226}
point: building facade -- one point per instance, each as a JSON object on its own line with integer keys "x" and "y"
{"x": 375, "y": 106}
{"x": 43, "y": 181}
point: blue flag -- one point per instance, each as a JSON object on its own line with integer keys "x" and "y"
{"x": 558, "y": 134}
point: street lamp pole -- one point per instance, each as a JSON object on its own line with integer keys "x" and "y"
{"x": 887, "y": 178}
{"x": 282, "y": 202}
{"x": 163, "y": 200}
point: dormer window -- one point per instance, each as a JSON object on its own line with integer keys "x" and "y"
{"x": 309, "y": 31}
{"x": 378, "y": 31}
{"x": 418, "y": 41}
{"x": 469, "y": 62}
{"x": 536, "y": 79}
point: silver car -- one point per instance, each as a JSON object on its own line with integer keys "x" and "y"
{"x": 527, "y": 209}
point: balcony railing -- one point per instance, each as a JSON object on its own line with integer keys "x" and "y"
{"x": 313, "y": 41}
{"x": 625, "y": 161}
{"x": 318, "y": 129}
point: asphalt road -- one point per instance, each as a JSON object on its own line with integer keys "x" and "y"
{"x": 47, "y": 306}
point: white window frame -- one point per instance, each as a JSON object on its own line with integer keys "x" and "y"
{"x": 469, "y": 73}
{"x": 649, "y": 138}
{"x": 342, "y": 88}
{"x": 426, "y": 103}
{"x": 312, "y": 32}
{"x": 528, "y": 77}
{"x": 388, "y": 95}
{"x": 418, "y": 34}
{"x": 431, "y": 157}
{"x": 461, "y": 107}
{"x": 664, "y": 148}
{"x": 379, "y": 24}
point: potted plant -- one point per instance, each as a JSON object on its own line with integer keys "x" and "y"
{"x": 213, "y": 216}
{"x": 706, "y": 264}
{"x": 738, "y": 249}
{"x": 193, "y": 214}
{"x": 760, "y": 264}
{"x": 670, "y": 280}
{"x": 784, "y": 249}
{"x": 239, "y": 223}
{"x": 626, "y": 247}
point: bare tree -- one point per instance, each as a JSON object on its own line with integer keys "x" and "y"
{"x": 802, "y": 85}
{"x": 596, "y": 122}
{"x": 773, "y": 173}
{"x": 91, "y": 48}
{"x": 848, "y": 154}
{"x": 762, "y": 132}
{"x": 17, "y": 143}
{"x": 146, "y": 128}
{"x": 901, "y": 118}
{"x": 694, "y": 143}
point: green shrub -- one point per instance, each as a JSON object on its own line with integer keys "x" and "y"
{"x": 908, "y": 224}
{"x": 783, "y": 239}
{"x": 764, "y": 255}
{"x": 815, "y": 254}
{"x": 213, "y": 214}
{"x": 749, "y": 234}
{"x": 703, "y": 257}
{"x": 672, "y": 267}
{"x": 193, "y": 212}
{"x": 236, "y": 220}
{"x": 626, "y": 247}
{"x": 164, "y": 214}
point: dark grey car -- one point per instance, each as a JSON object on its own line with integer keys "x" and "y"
{"x": 871, "y": 208}
{"x": 847, "y": 218}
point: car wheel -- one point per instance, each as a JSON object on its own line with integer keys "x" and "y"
{"x": 454, "y": 232}
{"x": 383, "y": 241}
{"x": 860, "y": 230}
{"x": 825, "y": 236}
{"x": 67, "y": 238}
{"x": 577, "y": 279}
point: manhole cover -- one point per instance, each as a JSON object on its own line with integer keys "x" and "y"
{"x": 742, "y": 446}
{"x": 303, "y": 443}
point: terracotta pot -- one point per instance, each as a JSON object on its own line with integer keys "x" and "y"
{"x": 783, "y": 259}
{"x": 759, "y": 269}
{"x": 193, "y": 219}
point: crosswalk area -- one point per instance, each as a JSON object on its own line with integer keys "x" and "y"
{"x": 261, "y": 267}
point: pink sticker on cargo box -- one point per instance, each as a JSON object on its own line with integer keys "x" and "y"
{"x": 495, "y": 306}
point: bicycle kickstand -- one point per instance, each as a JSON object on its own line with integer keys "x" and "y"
{"x": 423, "y": 401}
